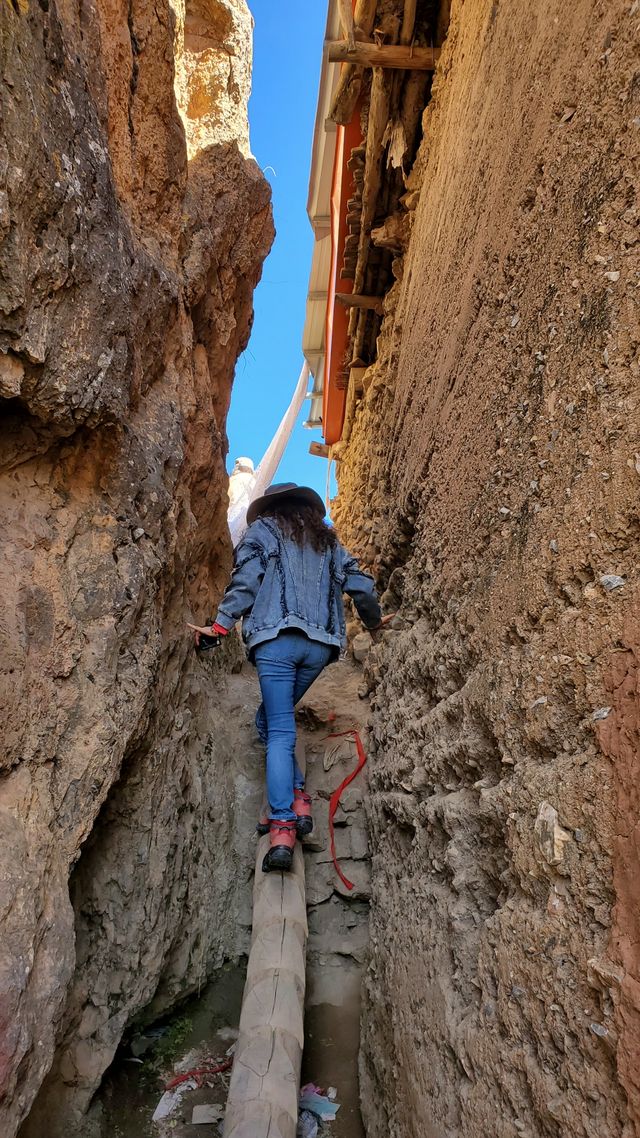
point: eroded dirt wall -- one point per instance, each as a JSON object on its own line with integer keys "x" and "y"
{"x": 493, "y": 464}
{"x": 126, "y": 281}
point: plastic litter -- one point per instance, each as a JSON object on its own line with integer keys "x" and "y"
{"x": 319, "y": 1105}
{"x": 171, "y": 1100}
{"x": 184, "y": 1065}
{"x": 332, "y": 1094}
{"x": 310, "y": 1089}
{"x": 256, "y": 484}
{"x": 206, "y": 1113}
{"x": 307, "y": 1125}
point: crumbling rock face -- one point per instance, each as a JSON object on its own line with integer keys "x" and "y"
{"x": 497, "y": 450}
{"x": 213, "y": 74}
{"x": 126, "y": 281}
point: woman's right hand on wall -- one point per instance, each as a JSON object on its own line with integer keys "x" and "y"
{"x": 212, "y": 631}
{"x": 376, "y": 632}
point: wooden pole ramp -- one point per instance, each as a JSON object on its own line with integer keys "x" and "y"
{"x": 265, "y": 1079}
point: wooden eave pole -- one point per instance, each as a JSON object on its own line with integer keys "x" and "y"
{"x": 408, "y": 21}
{"x": 381, "y": 84}
{"x": 395, "y": 56}
{"x": 346, "y": 19}
{"x": 348, "y": 89}
{"x": 357, "y": 300}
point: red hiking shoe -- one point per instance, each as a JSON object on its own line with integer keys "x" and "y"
{"x": 279, "y": 857}
{"x": 302, "y": 809}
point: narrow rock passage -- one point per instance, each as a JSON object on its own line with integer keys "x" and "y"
{"x": 338, "y": 923}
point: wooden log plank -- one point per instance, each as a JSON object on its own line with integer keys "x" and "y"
{"x": 364, "y": 16}
{"x": 402, "y": 128}
{"x": 265, "y": 1079}
{"x": 356, "y": 377}
{"x": 319, "y": 450}
{"x": 346, "y": 19}
{"x": 277, "y": 946}
{"x": 408, "y": 21}
{"x": 357, "y": 300}
{"x": 348, "y": 89}
{"x": 381, "y": 89}
{"x": 390, "y": 56}
{"x": 346, "y": 95}
{"x": 355, "y": 390}
{"x": 261, "y": 1121}
{"x": 269, "y": 1003}
{"x": 265, "y": 1082}
{"x": 350, "y": 245}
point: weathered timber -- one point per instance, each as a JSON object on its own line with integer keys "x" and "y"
{"x": 351, "y": 245}
{"x": 394, "y": 232}
{"x": 346, "y": 19}
{"x": 408, "y": 21}
{"x": 381, "y": 87}
{"x": 265, "y": 1079}
{"x": 357, "y": 378}
{"x": 348, "y": 89}
{"x": 354, "y": 393}
{"x": 397, "y": 137}
{"x": 357, "y": 300}
{"x": 391, "y": 56}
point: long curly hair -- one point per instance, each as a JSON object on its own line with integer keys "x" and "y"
{"x": 302, "y": 523}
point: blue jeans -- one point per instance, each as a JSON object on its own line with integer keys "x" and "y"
{"x": 287, "y": 666}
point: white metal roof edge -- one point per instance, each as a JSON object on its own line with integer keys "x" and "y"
{"x": 319, "y": 211}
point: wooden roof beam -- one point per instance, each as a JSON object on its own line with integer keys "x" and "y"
{"x": 357, "y": 300}
{"x": 348, "y": 26}
{"x": 381, "y": 87}
{"x": 408, "y": 21}
{"x": 396, "y": 56}
{"x": 349, "y": 83}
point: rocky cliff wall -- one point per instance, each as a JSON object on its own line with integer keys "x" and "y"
{"x": 492, "y": 480}
{"x": 126, "y": 280}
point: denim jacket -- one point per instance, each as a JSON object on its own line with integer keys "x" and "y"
{"x": 277, "y": 584}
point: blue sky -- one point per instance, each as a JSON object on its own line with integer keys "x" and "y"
{"x": 287, "y": 51}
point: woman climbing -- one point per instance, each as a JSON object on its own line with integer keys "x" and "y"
{"x": 290, "y": 572}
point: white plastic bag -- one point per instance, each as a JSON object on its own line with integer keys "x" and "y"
{"x": 266, "y": 471}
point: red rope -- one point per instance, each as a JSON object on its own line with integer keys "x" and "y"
{"x": 334, "y": 801}
{"x": 198, "y": 1073}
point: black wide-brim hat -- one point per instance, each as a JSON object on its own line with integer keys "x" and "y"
{"x": 278, "y": 492}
